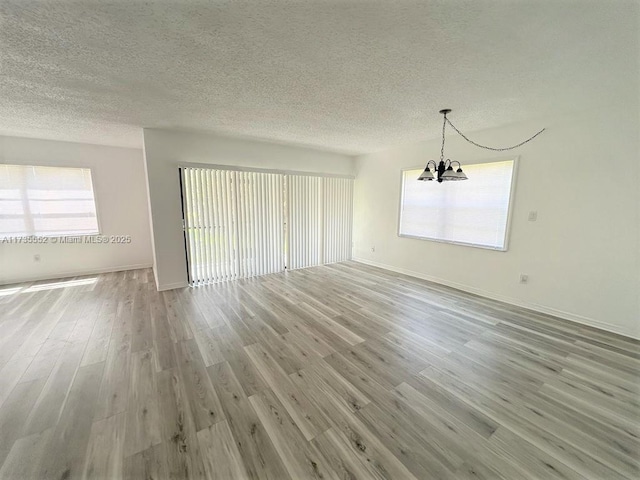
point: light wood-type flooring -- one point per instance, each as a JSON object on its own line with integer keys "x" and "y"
{"x": 334, "y": 372}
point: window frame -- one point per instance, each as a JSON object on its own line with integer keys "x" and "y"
{"x": 514, "y": 175}
{"x": 95, "y": 200}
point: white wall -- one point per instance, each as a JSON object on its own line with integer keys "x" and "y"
{"x": 581, "y": 255}
{"x": 120, "y": 189}
{"x": 166, "y": 149}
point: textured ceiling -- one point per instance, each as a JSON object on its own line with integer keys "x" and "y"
{"x": 350, "y": 76}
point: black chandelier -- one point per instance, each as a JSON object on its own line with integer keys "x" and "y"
{"x": 444, "y": 170}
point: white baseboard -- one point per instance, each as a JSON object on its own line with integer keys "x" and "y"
{"x": 592, "y": 322}
{"x": 171, "y": 286}
{"x": 75, "y": 273}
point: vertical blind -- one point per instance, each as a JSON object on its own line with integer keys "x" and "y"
{"x": 233, "y": 224}
{"x": 304, "y": 221}
{"x": 259, "y": 200}
{"x": 474, "y": 212}
{"x": 337, "y": 207}
{"x": 46, "y": 201}
{"x": 240, "y": 224}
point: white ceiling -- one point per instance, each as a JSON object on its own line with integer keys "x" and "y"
{"x": 350, "y": 76}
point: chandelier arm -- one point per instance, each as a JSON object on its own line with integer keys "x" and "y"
{"x": 484, "y": 146}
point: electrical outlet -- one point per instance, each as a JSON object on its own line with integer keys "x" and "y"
{"x": 533, "y": 216}
{"x": 524, "y": 278}
{"x": 36, "y": 258}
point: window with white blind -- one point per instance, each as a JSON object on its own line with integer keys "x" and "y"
{"x": 474, "y": 212}
{"x": 240, "y": 224}
{"x": 46, "y": 201}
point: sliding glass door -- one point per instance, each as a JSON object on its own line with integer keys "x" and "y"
{"x": 337, "y": 205}
{"x": 239, "y": 224}
{"x": 233, "y": 224}
{"x": 304, "y": 226}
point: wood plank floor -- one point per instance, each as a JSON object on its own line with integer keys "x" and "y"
{"x": 335, "y": 372}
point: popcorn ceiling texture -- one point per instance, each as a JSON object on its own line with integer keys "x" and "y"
{"x": 349, "y": 76}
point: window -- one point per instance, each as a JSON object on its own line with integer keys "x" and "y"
{"x": 474, "y": 212}
{"x": 46, "y": 201}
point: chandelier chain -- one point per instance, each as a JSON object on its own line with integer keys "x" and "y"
{"x": 446, "y": 120}
{"x": 444, "y": 124}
